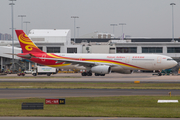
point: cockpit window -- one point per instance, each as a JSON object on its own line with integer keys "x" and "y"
{"x": 169, "y": 59}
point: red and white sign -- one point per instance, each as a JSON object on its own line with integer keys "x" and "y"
{"x": 52, "y": 101}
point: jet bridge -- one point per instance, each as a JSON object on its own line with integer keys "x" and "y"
{"x": 6, "y": 59}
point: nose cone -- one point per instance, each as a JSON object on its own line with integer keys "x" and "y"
{"x": 169, "y": 63}
{"x": 173, "y": 63}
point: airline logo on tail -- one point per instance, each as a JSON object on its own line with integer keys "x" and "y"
{"x": 26, "y": 44}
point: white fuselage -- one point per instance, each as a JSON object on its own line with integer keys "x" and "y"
{"x": 126, "y": 61}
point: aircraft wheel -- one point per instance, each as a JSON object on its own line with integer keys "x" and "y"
{"x": 96, "y": 74}
{"x": 159, "y": 74}
{"x": 83, "y": 74}
{"x": 102, "y": 74}
{"x": 89, "y": 74}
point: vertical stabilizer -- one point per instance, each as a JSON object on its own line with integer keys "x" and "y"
{"x": 26, "y": 44}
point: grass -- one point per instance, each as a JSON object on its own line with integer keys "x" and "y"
{"x": 89, "y": 85}
{"x": 122, "y": 106}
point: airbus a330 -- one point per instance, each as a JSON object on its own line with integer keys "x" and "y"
{"x": 100, "y": 64}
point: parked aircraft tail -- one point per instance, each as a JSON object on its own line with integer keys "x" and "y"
{"x": 26, "y": 44}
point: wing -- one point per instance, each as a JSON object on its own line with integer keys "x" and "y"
{"x": 79, "y": 62}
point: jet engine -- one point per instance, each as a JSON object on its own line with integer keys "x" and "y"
{"x": 101, "y": 69}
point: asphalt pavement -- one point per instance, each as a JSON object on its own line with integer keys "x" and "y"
{"x": 76, "y": 77}
{"x": 61, "y": 93}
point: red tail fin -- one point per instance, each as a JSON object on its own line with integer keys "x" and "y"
{"x": 26, "y": 44}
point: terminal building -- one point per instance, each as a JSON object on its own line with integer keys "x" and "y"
{"x": 59, "y": 41}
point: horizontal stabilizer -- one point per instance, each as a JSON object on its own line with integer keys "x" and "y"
{"x": 28, "y": 56}
{"x": 10, "y": 54}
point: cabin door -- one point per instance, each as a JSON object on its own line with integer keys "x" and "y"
{"x": 127, "y": 59}
{"x": 159, "y": 59}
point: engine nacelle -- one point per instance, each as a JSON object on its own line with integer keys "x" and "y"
{"x": 101, "y": 69}
{"x": 125, "y": 71}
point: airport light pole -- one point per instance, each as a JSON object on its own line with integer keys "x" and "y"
{"x": 122, "y": 29}
{"x": 26, "y": 25}
{"x": 13, "y": 30}
{"x": 172, "y": 22}
{"x": 113, "y": 27}
{"x": 12, "y": 33}
{"x": 74, "y": 27}
{"x": 78, "y": 31}
{"x": 21, "y": 20}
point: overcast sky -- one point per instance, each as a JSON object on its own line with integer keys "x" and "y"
{"x": 143, "y": 18}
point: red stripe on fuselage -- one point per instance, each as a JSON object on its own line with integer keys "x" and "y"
{"x": 83, "y": 59}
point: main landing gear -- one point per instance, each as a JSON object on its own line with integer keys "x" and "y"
{"x": 159, "y": 74}
{"x": 90, "y": 74}
{"x": 96, "y": 74}
{"x": 86, "y": 73}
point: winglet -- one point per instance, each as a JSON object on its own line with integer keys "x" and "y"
{"x": 26, "y": 44}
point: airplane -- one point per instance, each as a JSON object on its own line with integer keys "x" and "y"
{"x": 99, "y": 64}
